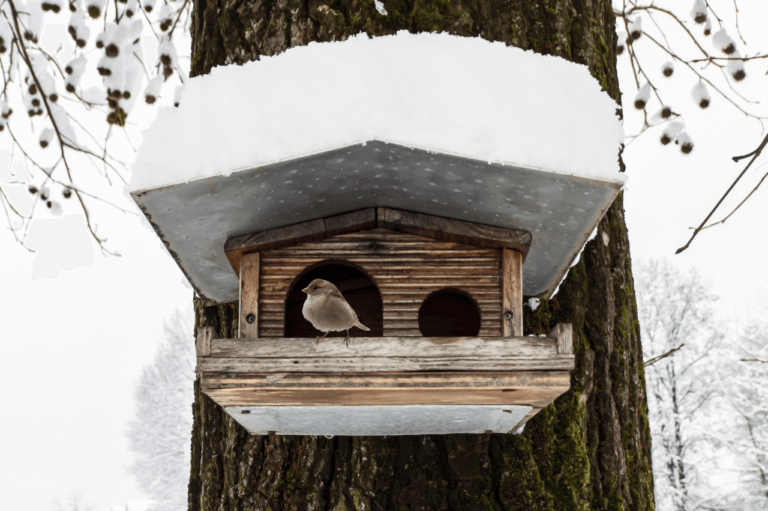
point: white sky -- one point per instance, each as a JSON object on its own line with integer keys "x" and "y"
{"x": 78, "y": 327}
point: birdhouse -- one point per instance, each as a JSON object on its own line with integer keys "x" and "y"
{"x": 433, "y": 219}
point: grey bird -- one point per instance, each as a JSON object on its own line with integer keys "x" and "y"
{"x": 328, "y": 311}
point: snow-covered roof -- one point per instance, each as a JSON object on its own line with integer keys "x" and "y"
{"x": 455, "y": 127}
{"x": 463, "y": 96}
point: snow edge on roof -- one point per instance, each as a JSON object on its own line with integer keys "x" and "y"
{"x": 435, "y": 92}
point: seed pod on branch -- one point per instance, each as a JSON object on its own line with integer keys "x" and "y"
{"x": 46, "y": 137}
{"x": 32, "y": 21}
{"x": 94, "y": 8}
{"x": 177, "y": 93}
{"x": 686, "y": 142}
{"x": 6, "y": 35}
{"x": 5, "y": 110}
{"x": 620, "y": 42}
{"x": 55, "y": 6}
{"x": 700, "y": 94}
{"x": 699, "y": 11}
{"x": 723, "y": 42}
{"x": 668, "y": 68}
{"x": 643, "y": 95}
{"x": 670, "y": 132}
{"x": 148, "y": 5}
{"x": 708, "y": 28}
{"x": 78, "y": 29}
{"x": 131, "y": 8}
{"x": 635, "y": 29}
{"x": 165, "y": 17}
{"x": 736, "y": 68}
{"x": 152, "y": 92}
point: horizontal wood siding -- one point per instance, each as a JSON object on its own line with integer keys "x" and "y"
{"x": 406, "y": 268}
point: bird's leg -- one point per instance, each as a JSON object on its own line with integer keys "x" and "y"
{"x": 346, "y": 339}
{"x": 322, "y": 337}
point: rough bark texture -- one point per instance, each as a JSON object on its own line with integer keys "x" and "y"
{"x": 590, "y": 450}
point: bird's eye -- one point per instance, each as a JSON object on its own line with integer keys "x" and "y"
{"x": 315, "y": 287}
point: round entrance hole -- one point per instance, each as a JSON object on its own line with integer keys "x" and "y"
{"x": 449, "y": 313}
{"x": 358, "y": 289}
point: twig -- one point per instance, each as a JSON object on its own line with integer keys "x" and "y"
{"x": 756, "y": 154}
{"x": 665, "y": 355}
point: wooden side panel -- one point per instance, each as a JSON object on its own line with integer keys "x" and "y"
{"x": 248, "y": 324}
{"x": 406, "y": 268}
{"x": 532, "y": 396}
{"x": 512, "y": 289}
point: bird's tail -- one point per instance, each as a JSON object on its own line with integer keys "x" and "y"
{"x": 362, "y": 326}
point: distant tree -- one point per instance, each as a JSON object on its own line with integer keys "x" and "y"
{"x": 160, "y": 431}
{"x": 74, "y": 502}
{"x": 741, "y": 435}
{"x": 679, "y": 334}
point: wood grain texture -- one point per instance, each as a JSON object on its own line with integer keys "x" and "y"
{"x": 512, "y": 291}
{"x": 406, "y": 268}
{"x": 449, "y": 229}
{"x": 385, "y": 364}
{"x": 249, "y": 295}
{"x": 465, "y": 379}
{"x": 563, "y": 333}
{"x": 313, "y": 230}
{"x": 533, "y": 396}
{"x": 430, "y": 226}
{"x": 384, "y": 347}
{"x": 205, "y": 336}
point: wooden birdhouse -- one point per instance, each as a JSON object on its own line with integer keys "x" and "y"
{"x": 434, "y": 250}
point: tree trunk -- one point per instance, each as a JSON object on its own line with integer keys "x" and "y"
{"x": 590, "y": 450}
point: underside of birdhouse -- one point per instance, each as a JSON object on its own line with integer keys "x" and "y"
{"x": 445, "y": 354}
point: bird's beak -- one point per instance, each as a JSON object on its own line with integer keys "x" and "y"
{"x": 305, "y": 290}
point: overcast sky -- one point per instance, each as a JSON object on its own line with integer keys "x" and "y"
{"x": 78, "y": 326}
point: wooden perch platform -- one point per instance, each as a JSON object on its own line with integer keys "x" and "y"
{"x": 384, "y": 385}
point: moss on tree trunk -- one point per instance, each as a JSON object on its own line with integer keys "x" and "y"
{"x": 589, "y": 450}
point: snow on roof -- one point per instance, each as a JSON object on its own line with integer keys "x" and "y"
{"x": 447, "y": 94}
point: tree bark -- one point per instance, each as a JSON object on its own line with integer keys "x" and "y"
{"x": 589, "y": 450}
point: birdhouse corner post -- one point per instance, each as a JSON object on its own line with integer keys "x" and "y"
{"x": 591, "y": 446}
{"x": 248, "y": 322}
{"x": 512, "y": 289}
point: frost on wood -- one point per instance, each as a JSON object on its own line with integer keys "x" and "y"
{"x": 159, "y": 432}
{"x": 463, "y": 96}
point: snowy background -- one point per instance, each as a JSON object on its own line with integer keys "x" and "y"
{"x": 79, "y": 328}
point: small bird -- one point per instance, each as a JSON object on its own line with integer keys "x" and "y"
{"x": 328, "y": 311}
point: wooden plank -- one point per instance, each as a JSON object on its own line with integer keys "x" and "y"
{"x": 314, "y": 230}
{"x": 205, "y": 335}
{"x": 532, "y": 396}
{"x": 448, "y": 229}
{"x": 385, "y": 347}
{"x": 398, "y": 379}
{"x": 512, "y": 290}
{"x": 384, "y": 364}
{"x": 563, "y": 332}
{"x": 248, "y": 324}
